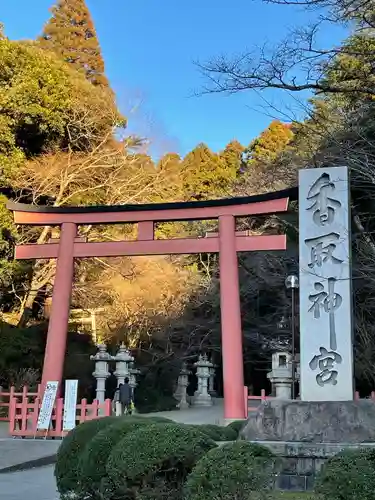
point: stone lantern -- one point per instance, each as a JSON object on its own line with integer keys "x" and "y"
{"x": 133, "y": 372}
{"x": 123, "y": 358}
{"x": 281, "y": 375}
{"x": 101, "y": 372}
{"x": 201, "y": 396}
{"x": 183, "y": 381}
{"x": 211, "y": 381}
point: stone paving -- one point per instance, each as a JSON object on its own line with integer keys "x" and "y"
{"x": 211, "y": 415}
{"x": 33, "y": 484}
{"x": 16, "y": 451}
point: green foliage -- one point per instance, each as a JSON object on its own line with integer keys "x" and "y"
{"x": 205, "y": 175}
{"x": 19, "y": 349}
{"x": 93, "y": 460}
{"x": 352, "y": 68}
{"x": 218, "y": 433}
{"x": 235, "y": 470}
{"x": 71, "y": 34}
{"x": 12, "y": 272}
{"x": 150, "y": 399}
{"x": 232, "y": 157}
{"x": 350, "y": 475}
{"x": 23, "y": 349}
{"x": 155, "y": 419}
{"x": 68, "y": 455}
{"x": 155, "y": 458}
{"x": 268, "y": 146}
{"x": 46, "y": 105}
{"x": 237, "y": 426}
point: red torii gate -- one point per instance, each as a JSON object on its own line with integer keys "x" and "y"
{"x": 227, "y": 242}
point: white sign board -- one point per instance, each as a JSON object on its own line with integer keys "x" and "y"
{"x": 326, "y": 331}
{"x": 70, "y": 404}
{"x": 45, "y": 413}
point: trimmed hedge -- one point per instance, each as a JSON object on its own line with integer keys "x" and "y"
{"x": 237, "y": 426}
{"x": 349, "y": 475}
{"x": 154, "y": 419}
{"x": 235, "y": 470}
{"x": 215, "y": 432}
{"x": 218, "y": 433}
{"x": 68, "y": 455}
{"x": 154, "y": 461}
{"x": 93, "y": 460}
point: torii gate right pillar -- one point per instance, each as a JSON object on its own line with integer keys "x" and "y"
{"x": 231, "y": 328}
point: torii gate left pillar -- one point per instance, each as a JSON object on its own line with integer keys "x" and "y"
{"x": 54, "y": 355}
{"x": 228, "y": 242}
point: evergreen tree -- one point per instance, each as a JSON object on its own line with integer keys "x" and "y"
{"x": 70, "y": 33}
{"x": 232, "y": 156}
{"x": 205, "y": 175}
{"x": 267, "y": 147}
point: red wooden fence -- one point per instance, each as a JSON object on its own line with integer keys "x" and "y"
{"x": 23, "y": 416}
{"x": 6, "y": 396}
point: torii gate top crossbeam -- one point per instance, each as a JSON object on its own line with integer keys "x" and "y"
{"x": 157, "y": 212}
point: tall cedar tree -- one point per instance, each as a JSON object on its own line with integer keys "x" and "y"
{"x": 272, "y": 141}
{"x": 70, "y": 33}
{"x": 205, "y": 175}
{"x": 232, "y": 156}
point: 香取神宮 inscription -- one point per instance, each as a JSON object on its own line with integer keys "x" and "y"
{"x": 325, "y": 285}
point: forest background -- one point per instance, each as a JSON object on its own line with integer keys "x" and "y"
{"x": 63, "y": 141}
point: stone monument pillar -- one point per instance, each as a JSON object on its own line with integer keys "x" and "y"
{"x": 327, "y": 419}
{"x": 326, "y": 329}
{"x": 183, "y": 381}
{"x": 201, "y": 396}
{"x": 101, "y": 372}
{"x": 122, "y": 358}
{"x": 281, "y": 375}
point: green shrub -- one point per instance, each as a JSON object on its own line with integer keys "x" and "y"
{"x": 93, "y": 460}
{"x": 237, "y": 426}
{"x": 155, "y": 419}
{"x": 350, "y": 475}
{"x": 218, "y": 433}
{"x": 236, "y": 470}
{"x": 154, "y": 461}
{"x": 72, "y": 446}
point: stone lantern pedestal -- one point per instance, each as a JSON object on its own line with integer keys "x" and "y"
{"x": 201, "y": 396}
{"x": 133, "y": 372}
{"x": 101, "y": 372}
{"x": 183, "y": 381}
{"x": 123, "y": 358}
{"x": 281, "y": 375}
{"x": 211, "y": 382}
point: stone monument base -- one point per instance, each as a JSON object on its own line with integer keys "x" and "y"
{"x": 301, "y": 461}
{"x": 305, "y": 434}
{"x": 312, "y": 422}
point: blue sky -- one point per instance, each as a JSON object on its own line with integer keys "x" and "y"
{"x": 149, "y": 48}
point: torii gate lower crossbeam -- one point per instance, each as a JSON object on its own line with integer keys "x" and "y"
{"x": 227, "y": 243}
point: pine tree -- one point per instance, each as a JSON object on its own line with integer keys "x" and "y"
{"x": 70, "y": 33}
